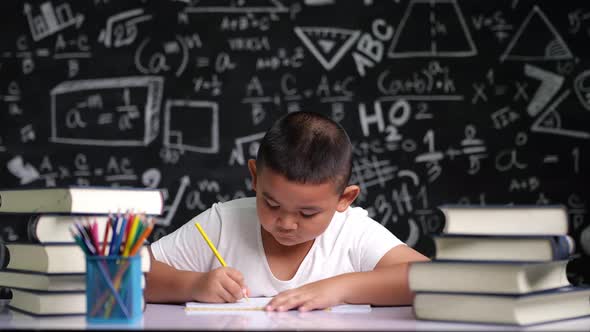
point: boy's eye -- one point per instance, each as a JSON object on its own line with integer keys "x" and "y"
{"x": 308, "y": 215}
{"x": 270, "y": 205}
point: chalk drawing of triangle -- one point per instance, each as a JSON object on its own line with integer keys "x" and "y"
{"x": 536, "y": 40}
{"x": 328, "y": 45}
{"x": 549, "y": 122}
{"x": 432, "y": 28}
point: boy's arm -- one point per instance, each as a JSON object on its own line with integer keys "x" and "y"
{"x": 165, "y": 284}
{"x": 387, "y": 284}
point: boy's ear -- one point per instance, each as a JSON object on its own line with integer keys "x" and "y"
{"x": 348, "y": 196}
{"x": 252, "y": 169}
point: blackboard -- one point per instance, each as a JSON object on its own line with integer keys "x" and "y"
{"x": 446, "y": 101}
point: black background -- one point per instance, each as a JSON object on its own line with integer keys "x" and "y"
{"x": 438, "y": 98}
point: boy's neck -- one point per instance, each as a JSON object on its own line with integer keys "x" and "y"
{"x": 284, "y": 261}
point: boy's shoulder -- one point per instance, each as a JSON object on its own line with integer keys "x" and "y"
{"x": 240, "y": 209}
{"x": 238, "y": 203}
{"x": 356, "y": 212}
{"x": 352, "y": 219}
{"x": 353, "y": 226}
{"x": 357, "y": 220}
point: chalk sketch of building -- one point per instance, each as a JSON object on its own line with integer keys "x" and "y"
{"x": 549, "y": 121}
{"x": 120, "y": 111}
{"x": 536, "y": 40}
{"x": 237, "y": 6}
{"x": 191, "y": 125}
{"x": 50, "y": 19}
{"x": 328, "y": 45}
{"x": 432, "y": 28}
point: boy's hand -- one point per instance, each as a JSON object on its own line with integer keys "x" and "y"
{"x": 316, "y": 295}
{"x": 223, "y": 284}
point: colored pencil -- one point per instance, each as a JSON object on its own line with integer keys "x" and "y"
{"x": 142, "y": 238}
{"x": 215, "y": 252}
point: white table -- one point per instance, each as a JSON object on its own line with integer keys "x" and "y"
{"x": 173, "y": 317}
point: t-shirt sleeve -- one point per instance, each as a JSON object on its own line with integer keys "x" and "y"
{"x": 373, "y": 241}
{"x": 185, "y": 248}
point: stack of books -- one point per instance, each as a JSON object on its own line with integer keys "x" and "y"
{"x": 46, "y": 274}
{"x": 501, "y": 264}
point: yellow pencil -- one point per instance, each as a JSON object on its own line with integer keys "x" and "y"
{"x": 215, "y": 252}
{"x": 131, "y": 234}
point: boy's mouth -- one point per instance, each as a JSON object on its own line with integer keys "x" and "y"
{"x": 285, "y": 234}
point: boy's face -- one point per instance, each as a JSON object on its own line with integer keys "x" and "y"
{"x": 294, "y": 213}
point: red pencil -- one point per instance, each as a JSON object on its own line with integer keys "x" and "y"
{"x": 106, "y": 235}
{"x": 94, "y": 236}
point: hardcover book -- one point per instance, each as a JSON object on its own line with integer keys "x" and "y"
{"x": 487, "y": 277}
{"x": 534, "y": 308}
{"x": 51, "y": 258}
{"x": 81, "y": 200}
{"x": 505, "y": 220}
{"x": 503, "y": 248}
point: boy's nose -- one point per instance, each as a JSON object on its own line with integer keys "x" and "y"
{"x": 287, "y": 222}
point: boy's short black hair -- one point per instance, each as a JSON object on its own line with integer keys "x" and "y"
{"x": 307, "y": 147}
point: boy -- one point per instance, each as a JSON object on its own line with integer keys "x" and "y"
{"x": 298, "y": 240}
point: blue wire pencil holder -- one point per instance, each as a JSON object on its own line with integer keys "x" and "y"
{"x": 114, "y": 292}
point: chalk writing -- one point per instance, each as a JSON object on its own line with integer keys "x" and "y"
{"x": 444, "y": 101}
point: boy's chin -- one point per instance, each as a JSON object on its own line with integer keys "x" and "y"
{"x": 287, "y": 242}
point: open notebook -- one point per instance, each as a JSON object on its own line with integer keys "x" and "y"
{"x": 258, "y": 304}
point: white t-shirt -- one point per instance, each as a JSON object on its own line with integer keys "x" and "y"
{"x": 353, "y": 242}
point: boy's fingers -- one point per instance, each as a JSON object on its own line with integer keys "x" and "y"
{"x": 234, "y": 289}
{"x": 226, "y": 296}
{"x": 238, "y": 278}
{"x": 309, "y": 305}
{"x": 286, "y": 302}
{"x": 235, "y": 275}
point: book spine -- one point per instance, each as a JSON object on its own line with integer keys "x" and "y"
{"x": 4, "y": 256}
{"x": 5, "y": 293}
{"x": 32, "y": 229}
{"x": 562, "y": 247}
{"x": 19, "y": 224}
{"x": 163, "y": 199}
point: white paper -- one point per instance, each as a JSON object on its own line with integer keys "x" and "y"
{"x": 258, "y": 304}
